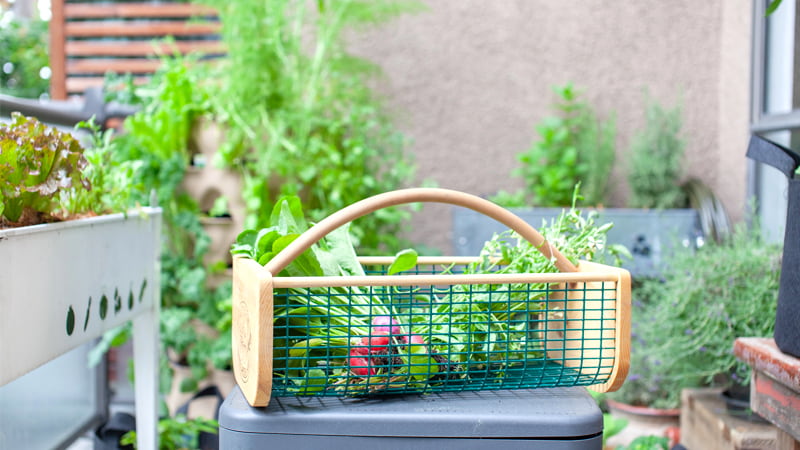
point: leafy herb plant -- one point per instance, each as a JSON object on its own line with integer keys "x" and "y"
{"x": 38, "y": 165}
{"x": 685, "y": 324}
{"x": 574, "y": 147}
{"x": 300, "y": 116}
{"x": 157, "y": 138}
{"x": 656, "y": 158}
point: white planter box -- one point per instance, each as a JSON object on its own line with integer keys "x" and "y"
{"x": 65, "y": 284}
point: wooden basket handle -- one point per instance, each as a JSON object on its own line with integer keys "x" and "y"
{"x": 415, "y": 195}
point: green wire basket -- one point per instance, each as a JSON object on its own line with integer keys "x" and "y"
{"x": 430, "y": 329}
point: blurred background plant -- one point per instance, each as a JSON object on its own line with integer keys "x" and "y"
{"x": 656, "y": 155}
{"x": 685, "y": 323}
{"x": 24, "y": 67}
{"x": 291, "y": 94}
{"x": 574, "y": 146}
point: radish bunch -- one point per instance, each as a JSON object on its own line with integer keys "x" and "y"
{"x": 372, "y": 354}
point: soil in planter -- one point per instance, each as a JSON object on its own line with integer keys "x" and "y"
{"x": 30, "y": 217}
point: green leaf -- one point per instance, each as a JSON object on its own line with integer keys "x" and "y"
{"x": 304, "y": 265}
{"x": 219, "y": 208}
{"x": 287, "y": 215}
{"x": 266, "y": 257}
{"x": 338, "y": 256}
{"x": 404, "y": 260}
{"x": 266, "y": 240}
{"x": 773, "y": 6}
{"x": 188, "y": 385}
{"x": 245, "y": 243}
{"x": 613, "y": 425}
{"x": 315, "y": 381}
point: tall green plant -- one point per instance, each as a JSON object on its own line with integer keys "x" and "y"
{"x": 301, "y": 117}
{"x": 655, "y": 160}
{"x": 158, "y": 138}
{"x": 574, "y": 146}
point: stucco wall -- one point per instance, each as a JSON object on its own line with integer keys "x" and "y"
{"x": 468, "y": 80}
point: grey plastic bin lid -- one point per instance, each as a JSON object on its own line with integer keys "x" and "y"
{"x": 548, "y": 413}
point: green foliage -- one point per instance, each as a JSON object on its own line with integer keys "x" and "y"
{"x": 612, "y": 426}
{"x": 574, "y": 147}
{"x": 516, "y": 199}
{"x": 684, "y": 325}
{"x": 110, "y": 176}
{"x": 576, "y": 235}
{"x": 655, "y": 160}
{"x": 38, "y": 164}
{"x": 157, "y": 138}
{"x": 647, "y": 443}
{"x": 300, "y": 116}
{"x": 773, "y": 5}
{"x": 24, "y": 47}
{"x": 177, "y": 433}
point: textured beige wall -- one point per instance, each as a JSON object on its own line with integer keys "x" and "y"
{"x": 468, "y": 80}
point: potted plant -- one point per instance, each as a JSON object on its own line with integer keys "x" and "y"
{"x": 56, "y": 200}
{"x": 686, "y": 322}
{"x": 577, "y": 147}
{"x": 574, "y": 146}
{"x": 76, "y": 262}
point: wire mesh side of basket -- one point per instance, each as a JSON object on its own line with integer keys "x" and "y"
{"x": 432, "y": 331}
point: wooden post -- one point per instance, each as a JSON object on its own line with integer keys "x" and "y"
{"x": 146, "y": 371}
{"x": 58, "y": 42}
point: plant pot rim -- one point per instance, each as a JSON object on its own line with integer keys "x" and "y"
{"x": 66, "y": 224}
{"x": 642, "y": 410}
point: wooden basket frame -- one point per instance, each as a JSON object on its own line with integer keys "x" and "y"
{"x": 254, "y": 284}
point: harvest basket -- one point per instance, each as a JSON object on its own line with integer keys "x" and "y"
{"x": 444, "y": 331}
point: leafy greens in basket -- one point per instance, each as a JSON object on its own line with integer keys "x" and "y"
{"x": 363, "y": 340}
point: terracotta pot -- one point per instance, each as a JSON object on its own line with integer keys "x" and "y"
{"x": 644, "y": 421}
{"x": 643, "y": 411}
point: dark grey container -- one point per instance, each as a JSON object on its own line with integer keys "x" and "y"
{"x": 650, "y": 235}
{"x": 549, "y": 418}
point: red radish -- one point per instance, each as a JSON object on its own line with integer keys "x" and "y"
{"x": 359, "y": 361}
{"x": 417, "y": 339}
{"x": 361, "y": 366}
{"x": 387, "y": 325}
{"x": 359, "y": 351}
{"x": 378, "y": 342}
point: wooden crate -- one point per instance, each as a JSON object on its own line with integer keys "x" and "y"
{"x": 705, "y": 425}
